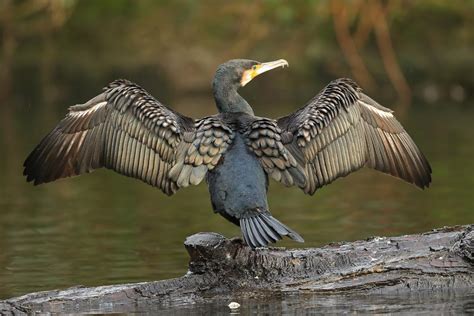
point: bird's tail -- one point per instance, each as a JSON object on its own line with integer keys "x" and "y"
{"x": 260, "y": 229}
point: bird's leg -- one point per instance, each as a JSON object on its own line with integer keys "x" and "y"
{"x": 241, "y": 241}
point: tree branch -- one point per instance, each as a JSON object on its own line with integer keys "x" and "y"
{"x": 220, "y": 269}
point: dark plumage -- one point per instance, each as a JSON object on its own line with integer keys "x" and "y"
{"x": 127, "y": 130}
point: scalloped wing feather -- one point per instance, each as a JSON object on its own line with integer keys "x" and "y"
{"x": 341, "y": 130}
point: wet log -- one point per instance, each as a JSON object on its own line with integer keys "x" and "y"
{"x": 221, "y": 269}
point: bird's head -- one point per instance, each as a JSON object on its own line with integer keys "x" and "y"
{"x": 232, "y": 75}
{"x": 239, "y": 72}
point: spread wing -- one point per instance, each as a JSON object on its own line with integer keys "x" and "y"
{"x": 341, "y": 130}
{"x": 127, "y": 130}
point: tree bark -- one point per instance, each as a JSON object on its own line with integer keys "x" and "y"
{"x": 220, "y": 269}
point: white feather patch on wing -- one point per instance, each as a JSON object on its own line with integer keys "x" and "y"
{"x": 375, "y": 110}
{"x": 90, "y": 110}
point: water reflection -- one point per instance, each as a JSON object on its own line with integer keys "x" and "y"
{"x": 423, "y": 302}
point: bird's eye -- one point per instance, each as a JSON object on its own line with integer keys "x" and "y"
{"x": 254, "y": 67}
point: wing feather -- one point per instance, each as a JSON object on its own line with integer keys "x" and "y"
{"x": 263, "y": 138}
{"x": 127, "y": 130}
{"x": 341, "y": 130}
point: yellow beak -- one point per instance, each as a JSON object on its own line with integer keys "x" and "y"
{"x": 258, "y": 69}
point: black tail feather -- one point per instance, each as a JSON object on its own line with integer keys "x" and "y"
{"x": 260, "y": 229}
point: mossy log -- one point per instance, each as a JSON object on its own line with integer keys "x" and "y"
{"x": 221, "y": 269}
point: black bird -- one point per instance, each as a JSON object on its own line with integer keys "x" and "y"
{"x": 125, "y": 129}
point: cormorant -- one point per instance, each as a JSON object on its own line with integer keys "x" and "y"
{"x": 125, "y": 129}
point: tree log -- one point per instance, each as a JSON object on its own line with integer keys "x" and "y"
{"x": 221, "y": 269}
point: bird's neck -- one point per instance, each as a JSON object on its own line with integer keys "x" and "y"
{"x": 228, "y": 100}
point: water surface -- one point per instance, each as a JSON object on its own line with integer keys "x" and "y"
{"x": 103, "y": 228}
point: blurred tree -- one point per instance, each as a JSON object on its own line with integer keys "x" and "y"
{"x": 63, "y": 44}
